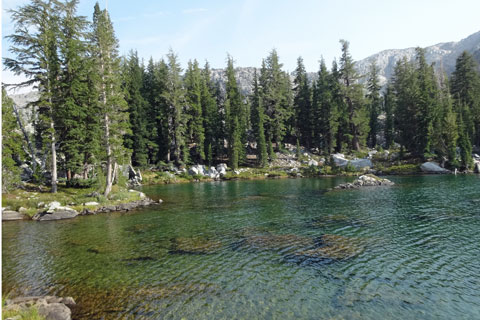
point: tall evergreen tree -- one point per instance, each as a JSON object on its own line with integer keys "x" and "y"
{"x": 174, "y": 96}
{"x": 34, "y": 43}
{"x": 235, "y": 116}
{"x": 353, "y": 97}
{"x": 11, "y": 145}
{"x": 466, "y": 93}
{"x": 303, "y": 105}
{"x": 277, "y": 98}
{"x": 113, "y": 105}
{"x": 427, "y": 103}
{"x": 325, "y": 112}
{"x": 137, "y": 141}
{"x": 76, "y": 124}
{"x": 211, "y": 120}
{"x": 389, "y": 107}
{"x": 374, "y": 104}
{"x": 258, "y": 118}
{"x": 196, "y": 131}
{"x": 406, "y": 92}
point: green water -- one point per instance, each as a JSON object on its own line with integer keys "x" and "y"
{"x": 233, "y": 250}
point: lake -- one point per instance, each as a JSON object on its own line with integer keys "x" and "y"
{"x": 268, "y": 249}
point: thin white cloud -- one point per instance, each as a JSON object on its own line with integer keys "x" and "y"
{"x": 194, "y": 10}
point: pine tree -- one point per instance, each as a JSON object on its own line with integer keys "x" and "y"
{"x": 374, "y": 104}
{"x": 277, "y": 98}
{"x": 354, "y": 99}
{"x": 466, "y": 93}
{"x": 137, "y": 141}
{"x": 113, "y": 105}
{"x": 303, "y": 105}
{"x": 11, "y": 145}
{"x": 406, "y": 94}
{"x": 196, "y": 131}
{"x": 343, "y": 137}
{"x": 37, "y": 59}
{"x": 76, "y": 124}
{"x": 174, "y": 96}
{"x": 325, "y": 111}
{"x": 235, "y": 115}
{"x": 211, "y": 120}
{"x": 389, "y": 107}
{"x": 427, "y": 104}
{"x": 258, "y": 117}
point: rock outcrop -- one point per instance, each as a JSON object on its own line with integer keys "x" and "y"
{"x": 121, "y": 207}
{"x": 433, "y": 167}
{"x": 10, "y": 215}
{"x": 367, "y": 180}
{"x": 50, "y": 307}
{"x": 59, "y": 213}
{"x": 340, "y": 161}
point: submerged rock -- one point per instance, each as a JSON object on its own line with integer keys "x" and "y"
{"x": 333, "y": 247}
{"x": 195, "y": 245}
{"x": 367, "y": 180}
{"x": 433, "y": 167}
{"x": 290, "y": 242}
{"x": 336, "y": 219}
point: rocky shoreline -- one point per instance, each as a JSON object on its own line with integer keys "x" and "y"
{"x": 54, "y": 211}
{"x": 49, "y": 307}
{"x": 368, "y": 180}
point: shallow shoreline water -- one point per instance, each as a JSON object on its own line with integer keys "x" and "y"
{"x": 244, "y": 249}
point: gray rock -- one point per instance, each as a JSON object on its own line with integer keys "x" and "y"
{"x": 59, "y": 213}
{"x": 55, "y": 311}
{"x": 433, "y": 167}
{"x": 10, "y": 215}
{"x": 313, "y": 163}
{"x": 339, "y": 160}
{"x": 50, "y": 307}
{"x": 92, "y": 203}
{"x": 361, "y": 163}
{"x": 476, "y": 167}
{"x": 372, "y": 153}
{"x": 53, "y": 205}
{"x": 213, "y": 173}
{"x": 222, "y": 169}
{"x": 368, "y": 180}
{"x": 22, "y": 210}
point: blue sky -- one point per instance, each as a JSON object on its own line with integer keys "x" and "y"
{"x": 249, "y": 29}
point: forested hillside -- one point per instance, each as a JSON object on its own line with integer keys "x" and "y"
{"x": 96, "y": 109}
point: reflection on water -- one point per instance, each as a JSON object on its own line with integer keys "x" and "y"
{"x": 283, "y": 249}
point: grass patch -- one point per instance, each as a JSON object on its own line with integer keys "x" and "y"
{"x": 401, "y": 169}
{"x": 27, "y": 314}
{"x": 32, "y": 198}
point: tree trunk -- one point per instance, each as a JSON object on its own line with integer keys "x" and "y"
{"x": 109, "y": 183}
{"x": 69, "y": 174}
{"x": 54, "y": 160}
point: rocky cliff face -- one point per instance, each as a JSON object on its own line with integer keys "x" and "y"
{"x": 443, "y": 55}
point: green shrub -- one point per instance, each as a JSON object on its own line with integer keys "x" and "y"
{"x": 81, "y": 183}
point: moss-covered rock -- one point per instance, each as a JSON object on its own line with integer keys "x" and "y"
{"x": 194, "y": 245}
{"x": 333, "y": 247}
